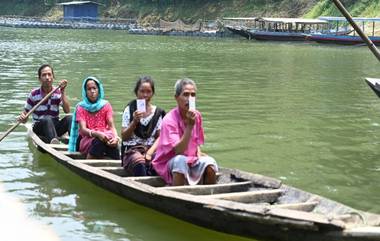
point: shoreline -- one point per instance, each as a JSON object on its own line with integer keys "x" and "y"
{"x": 130, "y": 28}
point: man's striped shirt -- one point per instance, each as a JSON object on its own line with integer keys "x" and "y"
{"x": 49, "y": 108}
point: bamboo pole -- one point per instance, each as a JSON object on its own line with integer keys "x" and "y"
{"x": 29, "y": 113}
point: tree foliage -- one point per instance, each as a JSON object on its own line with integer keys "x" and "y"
{"x": 199, "y": 9}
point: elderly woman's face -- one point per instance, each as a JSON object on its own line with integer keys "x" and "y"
{"x": 183, "y": 98}
{"x": 92, "y": 91}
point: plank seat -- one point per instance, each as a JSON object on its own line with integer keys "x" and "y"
{"x": 64, "y": 139}
{"x": 61, "y": 147}
{"x": 100, "y": 162}
{"x": 267, "y": 196}
{"x": 303, "y": 206}
{"x": 119, "y": 171}
{"x": 211, "y": 189}
{"x": 154, "y": 181}
{"x": 73, "y": 155}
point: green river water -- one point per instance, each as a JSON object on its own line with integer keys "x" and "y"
{"x": 299, "y": 112}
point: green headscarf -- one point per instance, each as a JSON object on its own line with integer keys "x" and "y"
{"x": 87, "y": 105}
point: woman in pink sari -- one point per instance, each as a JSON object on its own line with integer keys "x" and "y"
{"x": 179, "y": 160}
{"x": 92, "y": 125}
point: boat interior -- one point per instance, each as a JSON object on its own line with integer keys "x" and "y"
{"x": 246, "y": 191}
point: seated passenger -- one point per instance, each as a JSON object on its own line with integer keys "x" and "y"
{"x": 179, "y": 160}
{"x": 97, "y": 134}
{"x": 140, "y": 129}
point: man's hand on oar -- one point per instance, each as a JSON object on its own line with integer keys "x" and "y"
{"x": 63, "y": 84}
{"x": 22, "y": 118}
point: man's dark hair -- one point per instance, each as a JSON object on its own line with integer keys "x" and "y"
{"x": 44, "y": 66}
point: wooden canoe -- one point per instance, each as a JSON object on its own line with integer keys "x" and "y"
{"x": 241, "y": 203}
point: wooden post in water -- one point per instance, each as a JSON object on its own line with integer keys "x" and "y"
{"x": 347, "y": 15}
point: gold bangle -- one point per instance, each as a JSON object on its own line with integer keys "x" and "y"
{"x": 90, "y": 133}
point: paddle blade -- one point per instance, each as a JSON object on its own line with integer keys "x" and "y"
{"x": 374, "y": 84}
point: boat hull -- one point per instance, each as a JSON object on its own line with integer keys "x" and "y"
{"x": 279, "y": 36}
{"x": 224, "y": 207}
{"x": 239, "y": 31}
{"x": 341, "y": 39}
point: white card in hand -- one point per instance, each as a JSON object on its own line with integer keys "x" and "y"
{"x": 141, "y": 105}
{"x": 191, "y": 103}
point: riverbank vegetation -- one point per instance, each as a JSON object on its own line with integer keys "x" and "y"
{"x": 363, "y": 8}
{"x": 149, "y": 11}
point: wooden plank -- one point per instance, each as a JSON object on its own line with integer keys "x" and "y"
{"x": 257, "y": 179}
{"x": 304, "y": 206}
{"x": 212, "y": 189}
{"x": 268, "y": 196}
{"x": 364, "y": 231}
{"x": 73, "y": 155}
{"x": 64, "y": 139}
{"x": 154, "y": 181}
{"x": 100, "y": 162}
{"x": 62, "y": 147}
{"x": 114, "y": 170}
{"x": 306, "y": 216}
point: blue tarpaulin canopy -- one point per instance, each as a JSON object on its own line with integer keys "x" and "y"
{"x": 343, "y": 19}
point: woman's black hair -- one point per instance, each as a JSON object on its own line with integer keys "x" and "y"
{"x": 142, "y": 80}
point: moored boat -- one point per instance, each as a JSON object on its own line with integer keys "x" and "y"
{"x": 240, "y": 203}
{"x": 286, "y": 29}
{"x": 239, "y": 31}
{"x": 241, "y": 26}
{"x": 341, "y": 39}
{"x": 340, "y": 32}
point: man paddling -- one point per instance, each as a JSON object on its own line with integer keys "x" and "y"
{"x": 46, "y": 123}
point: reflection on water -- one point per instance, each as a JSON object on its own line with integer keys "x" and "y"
{"x": 299, "y": 112}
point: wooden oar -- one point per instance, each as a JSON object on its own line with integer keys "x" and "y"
{"x": 368, "y": 41}
{"x": 30, "y": 112}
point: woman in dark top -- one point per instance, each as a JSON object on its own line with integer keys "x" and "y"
{"x": 140, "y": 129}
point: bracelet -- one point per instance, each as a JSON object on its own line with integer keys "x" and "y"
{"x": 90, "y": 133}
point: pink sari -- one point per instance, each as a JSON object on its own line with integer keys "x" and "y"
{"x": 95, "y": 122}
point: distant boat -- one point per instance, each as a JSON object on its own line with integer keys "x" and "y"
{"x": 286, "y": 29}
{"x": 340, "y": 31}
{"x": 278, "y": 29}
{"x": 241, "y": 26}
{"x": 342, "y": 39}
{"x": 239, "y": 30}
{"x": 241, "y": 203}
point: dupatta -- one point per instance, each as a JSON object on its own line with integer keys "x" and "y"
{"x": 87, "y": 105}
